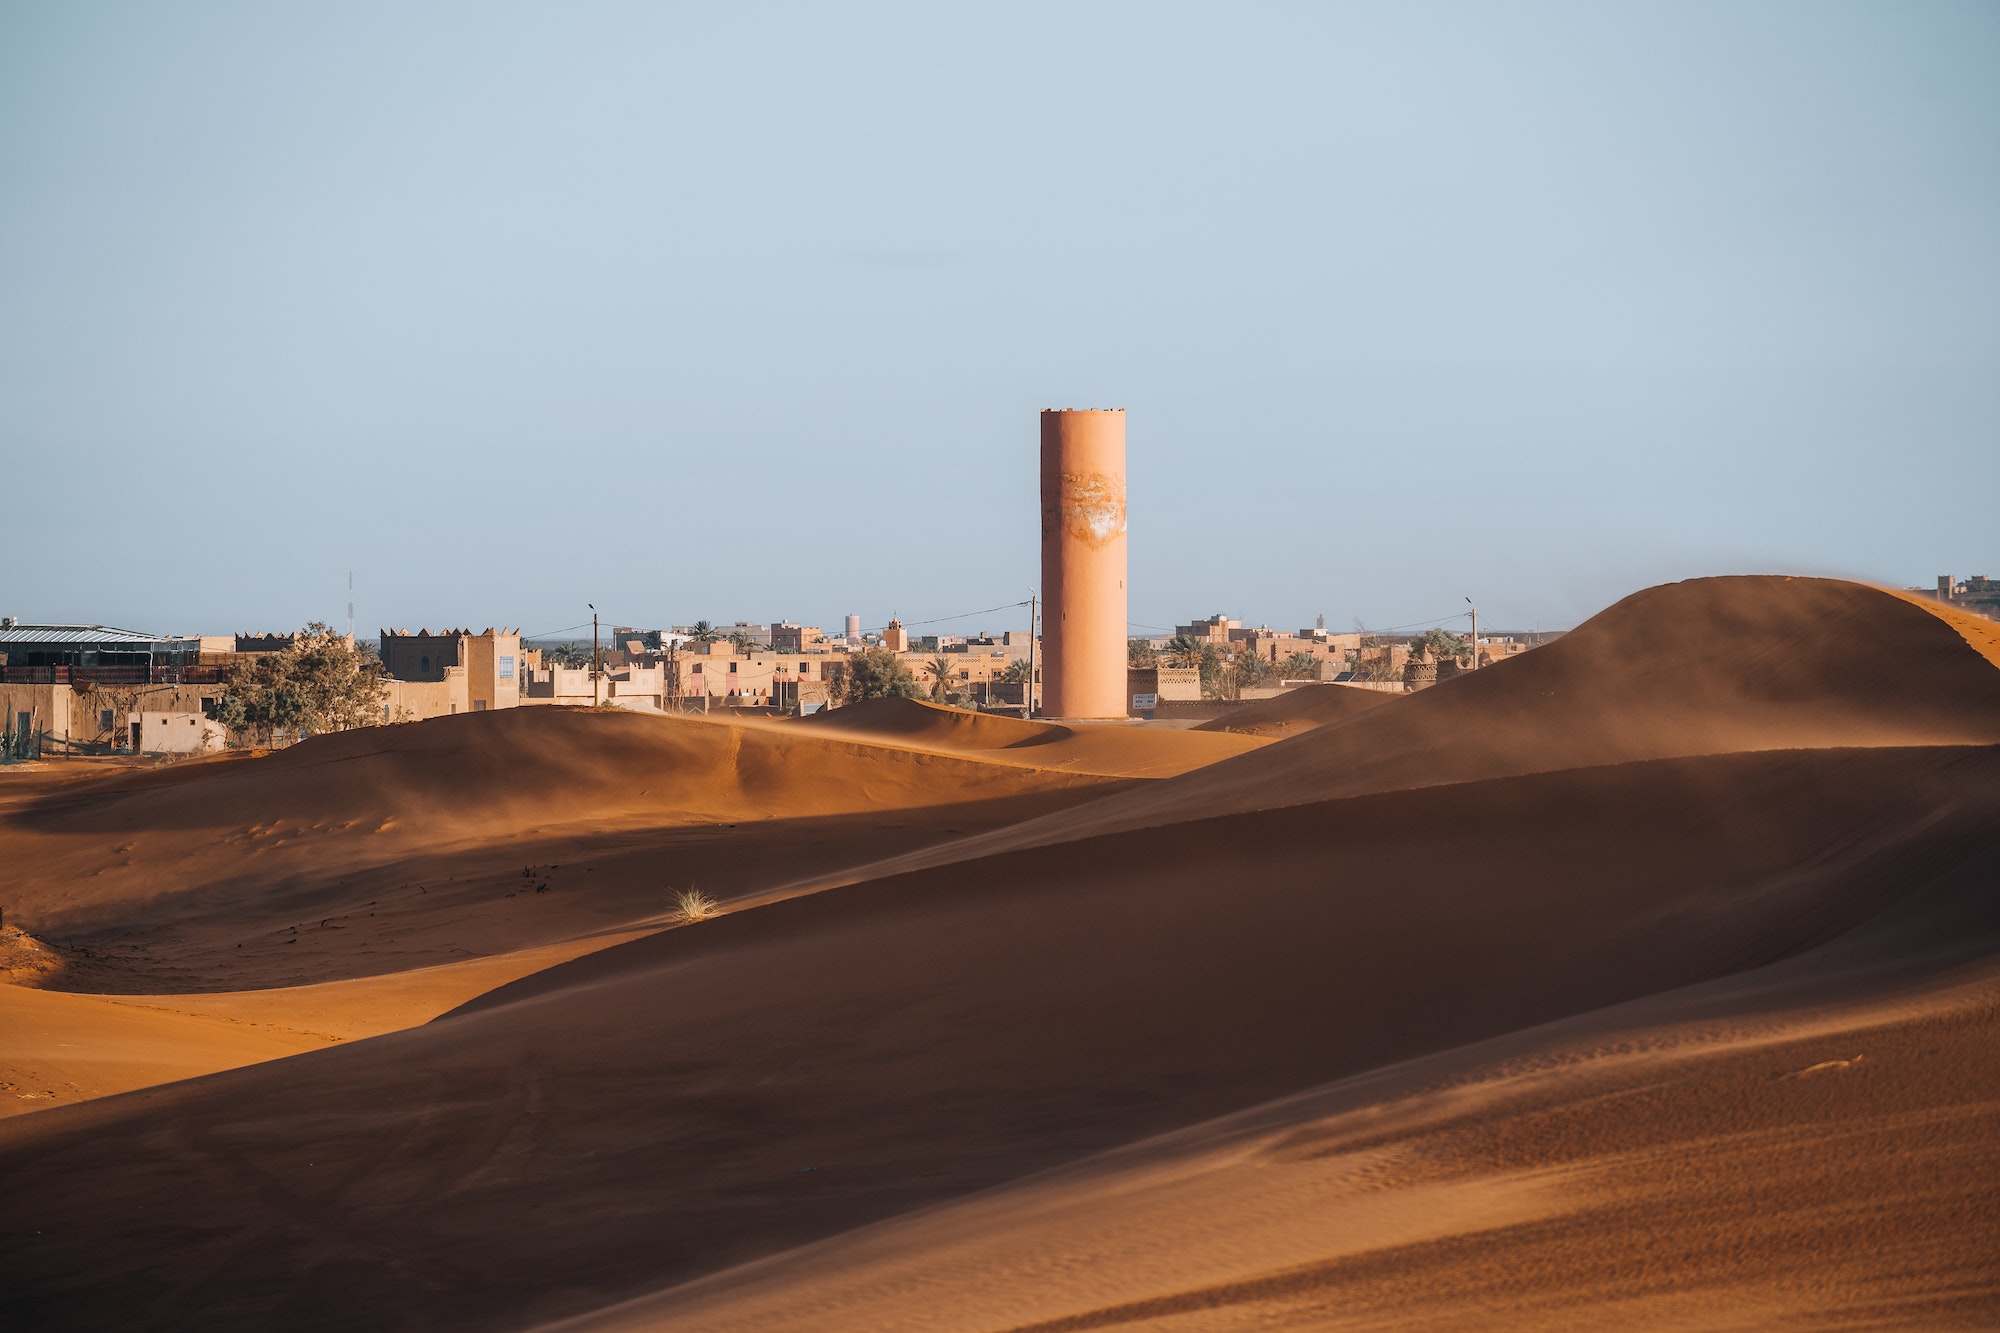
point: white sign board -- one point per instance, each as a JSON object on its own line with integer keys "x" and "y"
{"x": 1145, "y": 703}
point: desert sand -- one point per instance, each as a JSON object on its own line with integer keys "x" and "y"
{"x": 1649, "y": 979}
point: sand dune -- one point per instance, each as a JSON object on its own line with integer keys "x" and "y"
{"x": 1711, "y": 666}
{"x": 1303, "y": 709}
{"x": 927, "y": 723}
{"x": 412, "y": 846}
{"x": 654, "y": 1109}
{"x": 1108, "y": 750}
{"x": 1582, "y": 993}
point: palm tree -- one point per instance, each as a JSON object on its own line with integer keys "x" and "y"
{"x": 740, "y": 642}
{"x": 940, "y": 668}
{"x": 705, "y": 632}
{"x": 1300, "y": 666}
{"x": 1247, "y": 668}
{"x": 1185, "y": 650}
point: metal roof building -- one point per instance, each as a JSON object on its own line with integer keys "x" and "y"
{"x": 92, "y": 645}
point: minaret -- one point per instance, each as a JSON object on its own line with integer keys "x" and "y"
{"x": 1083, "y": 563}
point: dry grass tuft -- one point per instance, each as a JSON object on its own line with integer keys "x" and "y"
{"x": 694, "y": 905}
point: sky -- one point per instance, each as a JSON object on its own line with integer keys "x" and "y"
{"x": 747, "y": 311}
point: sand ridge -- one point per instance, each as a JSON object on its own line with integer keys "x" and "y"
{"x": 1305, "y": 708}
{"x": 1108, "y": 749}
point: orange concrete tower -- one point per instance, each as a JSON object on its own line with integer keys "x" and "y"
{"x": 1083, "y": 563}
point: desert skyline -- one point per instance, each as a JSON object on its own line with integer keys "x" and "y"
{"x": 696, "y": 314}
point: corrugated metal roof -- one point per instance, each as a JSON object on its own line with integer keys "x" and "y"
{"x": 83, "y": 634}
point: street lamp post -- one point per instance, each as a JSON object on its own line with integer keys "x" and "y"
{"x": 596, "y": 657}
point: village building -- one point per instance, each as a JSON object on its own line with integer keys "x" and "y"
{"x": 100, "y": 689}
{"x": 468, "y": 672}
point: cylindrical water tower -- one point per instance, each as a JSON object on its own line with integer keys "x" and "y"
{"x": 1083, "y": 563}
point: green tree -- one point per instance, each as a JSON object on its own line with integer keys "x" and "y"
{"x": 1443, "y": 645}
{"x": 321, "y": 682}
{"x": 1139, "y": 653}
{"x": 877, "y": 673}
{"x": 705, "y": 632}
{"x": 740, "y": 642}
{"x": 567, "y": 654}
{"x": 1016, "y": 671}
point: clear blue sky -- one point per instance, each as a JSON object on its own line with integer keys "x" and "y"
{"x": 747, "y": 311}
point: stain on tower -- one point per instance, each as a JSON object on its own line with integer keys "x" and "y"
{"x": 1083, "y": 563}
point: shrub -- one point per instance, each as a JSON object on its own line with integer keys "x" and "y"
{"x": 694, "y": 905}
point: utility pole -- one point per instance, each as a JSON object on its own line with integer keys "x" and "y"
{"x": 596, "y": 657}
{"x": 1475, "y": 634}
{"x": 1034, "y": 606}
{"x": 350, "y": 606}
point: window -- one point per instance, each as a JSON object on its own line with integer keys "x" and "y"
{"x": 506, "y": 666}
{"x": 423, "y": 664}
{"x": 732, "y": 668}
{"x": 106, "y": 719}
{"x": 478, "y": 705}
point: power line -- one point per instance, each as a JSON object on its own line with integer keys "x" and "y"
{"x": 1388, "y": 629}
{"x": 963, "y": 615}
{"x": 935, "y": 620}
{"x": 1418, "y": 624}
{"x": 564, "y": 630}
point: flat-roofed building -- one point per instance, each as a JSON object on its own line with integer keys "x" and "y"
{"x": 489, "y": 662}
{"x": 789, "y": 638}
